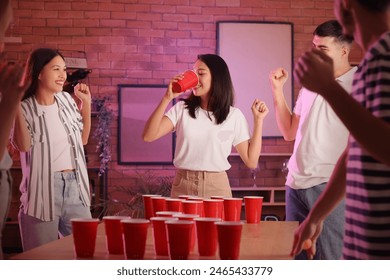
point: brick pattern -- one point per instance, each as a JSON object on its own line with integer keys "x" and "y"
{"x": 147, "y": 42}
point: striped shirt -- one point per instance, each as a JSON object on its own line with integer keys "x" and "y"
{"x": 37, "y": 186}
{"x": 367, "y": 228}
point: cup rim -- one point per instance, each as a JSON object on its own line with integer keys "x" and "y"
{"x": 158, "y": 197}
{"x": 183, "y": 196}
{"x": 182, "y": 222}
{"x": 163, "y": 218}
{"x": 183, "y": 215}
{"x": 230, "y": 223}
{"x": 84, "y": 220}
{"x": 253, "y": 197}
{"x": 233, "y": 198}
{"x": 193, "y": 201}
{"x": 192, "y": 70}
{"x": 208, "y": 219}
{"x": 135, "y": 221}
{"x": 169, "y": 212}
{"x": 151, "y": 195}
{"x": 174, "y": 199}
{"x": 112, "y": 217}
{"x": 213, "y": 200}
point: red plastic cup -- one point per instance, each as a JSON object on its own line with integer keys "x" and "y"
{"x": 159, "y": 204}
{"x": 232, "y": 208}
{"x": 148, "y": 206}
{"x": 190, "y": 80}
{"x": 206, "y": 232}
{"x": 84, "y": 236}
{"x": 194, "y": 197}
{"x": 134, "y": 237}
{"x": 167, "y": 213}
{"x": 174, "y": 204}
{"x": 253, "y": 209}
{"x": 213, "y": 208}
{"x": 179, "y": 238}
{"x": 184, "y": 196}
{"x": 114, "y": 239}
{"x": 229, "y": 238}
{"x": 193, "y": 207}
{"x": 160, "y": 235}
{"x": 189, "y": 217}
{"x": 217, "y": 197}
{"x": 186, "y": 217}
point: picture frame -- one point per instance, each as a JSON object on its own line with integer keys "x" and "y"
{"x": 252, "y": 49}
{"x": 136, "y": 104}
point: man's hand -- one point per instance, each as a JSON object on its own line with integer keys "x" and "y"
{"x": 314, "y": 71}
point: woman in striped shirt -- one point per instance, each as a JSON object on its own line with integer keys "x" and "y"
{"x": 49, "y": 132}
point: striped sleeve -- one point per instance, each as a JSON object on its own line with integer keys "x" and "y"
{"x": 367, "y": 227}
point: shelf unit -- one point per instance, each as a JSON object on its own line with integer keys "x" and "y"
{"x": 274, "y": 196}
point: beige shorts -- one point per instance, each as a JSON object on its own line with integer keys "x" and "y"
{"x": 201, "y": 183}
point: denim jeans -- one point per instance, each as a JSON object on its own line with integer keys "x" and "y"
{"x": 68, "y": 205}
{"x": 330, "y": 242}
{"x": 5, "y": 200}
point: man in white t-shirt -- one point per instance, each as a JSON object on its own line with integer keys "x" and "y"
{"x": 320, "y": 138}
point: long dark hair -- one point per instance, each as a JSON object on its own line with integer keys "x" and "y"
{"x": 35, "y": 63}
{"x": 221, "y": 91}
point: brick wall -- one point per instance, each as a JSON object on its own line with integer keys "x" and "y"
{"x": 147, "y": 42}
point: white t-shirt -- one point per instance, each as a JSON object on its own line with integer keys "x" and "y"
{"x": 6, "y": 161}
{"x": 201, "y": 144}
{"x": 320, "y": 140}
{"x": 60, "y": 147}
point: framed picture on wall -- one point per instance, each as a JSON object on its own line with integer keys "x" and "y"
{"x": 252, "y": 50}
{"x": 136, "y": 104}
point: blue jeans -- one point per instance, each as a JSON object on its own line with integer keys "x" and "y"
{"x": 68, "y": 205}
{"x": 5, "y": 200}
{"x": 330, "y": 242}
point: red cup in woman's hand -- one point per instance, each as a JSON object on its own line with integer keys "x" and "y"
{"x": 190, "y": 80}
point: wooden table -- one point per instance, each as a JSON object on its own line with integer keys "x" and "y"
{"x": 268, "y": 240}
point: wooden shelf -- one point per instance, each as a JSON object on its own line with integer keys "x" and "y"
{"x": 272, "y": 195}
{"x": 273, "y": 201}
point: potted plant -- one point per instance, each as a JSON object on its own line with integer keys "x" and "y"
{"x": 102, "y": 133}
{"x": 128, "y": 201}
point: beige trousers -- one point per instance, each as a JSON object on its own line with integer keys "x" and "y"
{"x": 201, "y": 183}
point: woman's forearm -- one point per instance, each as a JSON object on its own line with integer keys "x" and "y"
{"x": 86, "y": 115}
{"x": 8, "y": 112}
{"x": 153, "y": 129}
{"x": 21, "y": 137}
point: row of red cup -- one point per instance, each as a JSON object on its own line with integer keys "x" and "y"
{"x": 227, "y": 209}
{"x": 173, "y": 236}
{"x": 223, "y": 209}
